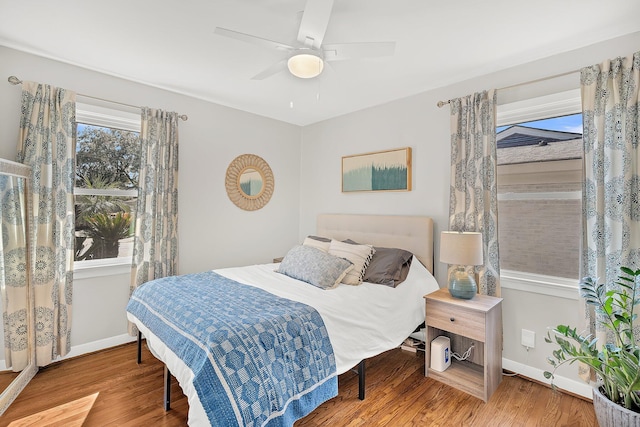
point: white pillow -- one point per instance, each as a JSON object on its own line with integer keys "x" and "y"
{"x": 315, "y": 243}
{"x": 359, "y": 255}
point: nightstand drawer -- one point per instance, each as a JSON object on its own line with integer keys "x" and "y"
{"x": 469, "y": 323}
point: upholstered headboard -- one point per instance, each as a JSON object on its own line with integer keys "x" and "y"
{"x": 413, "y": 233}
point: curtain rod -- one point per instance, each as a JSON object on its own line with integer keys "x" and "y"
{"x": 441, "y": 104}
{"x": 16, "y": 81}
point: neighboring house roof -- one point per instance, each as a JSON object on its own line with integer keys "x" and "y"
{"x": 521, "y": 144}
{"x": 517, "y": 136}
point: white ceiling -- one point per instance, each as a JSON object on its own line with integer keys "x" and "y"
{"x": 171, "y": 44}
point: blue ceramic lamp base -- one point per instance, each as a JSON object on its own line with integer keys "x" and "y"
{"x": 461, "y": 284}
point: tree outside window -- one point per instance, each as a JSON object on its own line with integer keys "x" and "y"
{"x": 107, "y": 165}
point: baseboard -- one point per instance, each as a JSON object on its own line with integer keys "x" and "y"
{"x": 572, "y": 386}
{"x": 90, "y": 347}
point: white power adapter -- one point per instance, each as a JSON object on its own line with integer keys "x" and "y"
{"x": 440, "y": 353}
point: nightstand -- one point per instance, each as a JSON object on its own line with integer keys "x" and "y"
{"x": 477, "y": 321}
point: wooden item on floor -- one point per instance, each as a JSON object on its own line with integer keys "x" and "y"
{"x": 476, "y": 321}
{"x": 72, "y": 414}
{"x": 130, "y": 395}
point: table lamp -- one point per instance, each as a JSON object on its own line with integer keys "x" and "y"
{"x": 461, "y": 249}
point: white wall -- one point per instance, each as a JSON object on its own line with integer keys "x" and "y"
{"x": 213, "y": 231}
{"x": 417, "y": 122}
{"x": 537, "y": 312}
{"x": 398, "y": 124}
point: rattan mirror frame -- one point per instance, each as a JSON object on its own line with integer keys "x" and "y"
{"x": 232, "y": 182}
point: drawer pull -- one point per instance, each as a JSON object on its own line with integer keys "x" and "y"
{"x": 452, "y": 319}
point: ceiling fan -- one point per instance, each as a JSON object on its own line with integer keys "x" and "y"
{"x": 306, "y": 59}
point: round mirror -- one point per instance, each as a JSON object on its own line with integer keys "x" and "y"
{"x": 249, "y": 182}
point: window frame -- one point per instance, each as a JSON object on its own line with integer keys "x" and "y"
{"x": 544, "y": 107}
{"x": 98, "y": 113}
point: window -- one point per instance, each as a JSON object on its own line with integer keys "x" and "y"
{"x": 539, "y": 153}
{"x": 107, "y": 165}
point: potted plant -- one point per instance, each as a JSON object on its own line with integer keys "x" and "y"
{"x": 616, "y": 396}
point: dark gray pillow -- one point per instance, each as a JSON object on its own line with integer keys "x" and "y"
{"x": 314, "y": 266}
{"x": 322, "y": 239}
{"x": 389, "y": 266}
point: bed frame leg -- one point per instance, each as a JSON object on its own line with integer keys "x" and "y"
{"x": 361, "y": 385}
{"x": 139, "y": 347}
{"x": 167, "y": 388}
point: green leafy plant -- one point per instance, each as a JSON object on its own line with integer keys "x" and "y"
{"x": 90, "y": 205}
{"x": 616, "y": 363}
{"x": 107, "y": 230}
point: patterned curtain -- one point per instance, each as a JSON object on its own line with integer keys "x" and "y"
{"x": 13, "y": 264}
{"x": 46, "y": 144}
{"x": 611, "y": 192}
{"x": 473, "y": 204}
{"x": 155, "y": 247}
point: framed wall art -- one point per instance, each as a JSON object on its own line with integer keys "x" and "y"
{"x": 388, "y": 170}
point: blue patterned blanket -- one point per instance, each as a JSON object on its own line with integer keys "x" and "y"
{"x": 257, "y": 359}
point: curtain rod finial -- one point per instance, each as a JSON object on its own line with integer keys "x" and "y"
{"x": 14, "y": 80}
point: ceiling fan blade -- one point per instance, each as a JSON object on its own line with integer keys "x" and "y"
{"x": 252, "y": 39}
{"x": 270, "y": 71}
{"x": 341, "y": 51}
{"x": 314, "y": 22}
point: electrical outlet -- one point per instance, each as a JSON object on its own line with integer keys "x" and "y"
{"x": 528, "y": 338}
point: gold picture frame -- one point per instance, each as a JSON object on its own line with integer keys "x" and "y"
{"x": 388, "y": 170}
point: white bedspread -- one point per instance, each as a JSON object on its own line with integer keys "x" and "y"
{"x": 362, "y": 321}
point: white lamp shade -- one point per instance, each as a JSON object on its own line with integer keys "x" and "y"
{"x": 305, "y": 65}
{"x": 461, "y": 248}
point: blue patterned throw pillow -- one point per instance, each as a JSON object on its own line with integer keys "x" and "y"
{"x": 314, "y": 266}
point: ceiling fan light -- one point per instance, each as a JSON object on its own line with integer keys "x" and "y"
{"x": 305, "y": 65}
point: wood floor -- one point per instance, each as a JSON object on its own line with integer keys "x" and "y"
{"x": 108, "y": 388}
{"x": 6, "y": 377}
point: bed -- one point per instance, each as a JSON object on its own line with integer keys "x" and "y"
{"x": 344, "y": 326}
